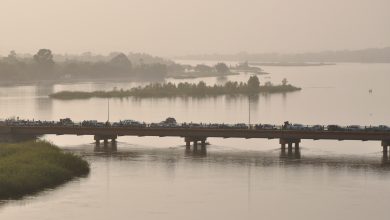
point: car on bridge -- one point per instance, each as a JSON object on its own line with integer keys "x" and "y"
{"x": 66, "y": 122}
{"x": 317, "y": 128}
{"x": 240, "y": 126}
{"x": 383, "y": 128}
{"x": 298, "y": 127}
{"x": 89, "y": 123}
{"x": 265, "y": 127}
{"x": 130, "y": 124}
{"x": 380, "y": 128}
{"x": 335, "y": 128}
{"x": 354, "y": 128}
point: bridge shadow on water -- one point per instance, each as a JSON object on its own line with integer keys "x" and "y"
{"x": 219, "y": 155}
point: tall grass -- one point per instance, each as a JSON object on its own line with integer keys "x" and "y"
{"x": 31, "y": 166}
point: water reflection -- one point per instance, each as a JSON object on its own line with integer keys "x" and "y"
{"x": 196, "y": 153}
{"x": 106, "y": 147}
{"x": 290, "y": 154}
{"x": 242, "y": 158}
{"x": 44, "y": 107}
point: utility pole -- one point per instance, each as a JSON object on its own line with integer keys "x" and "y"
{"x": 249, "y": 111}
{"x": 108, "y": 110}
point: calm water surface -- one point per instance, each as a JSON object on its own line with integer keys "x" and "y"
{"x": 155, "y": 178}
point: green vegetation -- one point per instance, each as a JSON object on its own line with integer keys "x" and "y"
{"x": 32, "y": 166}
{"x": 183, "y": 89}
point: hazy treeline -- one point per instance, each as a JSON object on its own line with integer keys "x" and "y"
{"x": 381, "y": 55}
{"x": 252, "y": 87}
{"x": 44, "y": 65}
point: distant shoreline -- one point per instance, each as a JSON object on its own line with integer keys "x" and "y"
{"x": 290, "y": 64}
{"x": 194, "y": 75}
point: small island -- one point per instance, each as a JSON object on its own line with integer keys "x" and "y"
{"x": 252, "y": 87}
{"x": 32, "y": 166}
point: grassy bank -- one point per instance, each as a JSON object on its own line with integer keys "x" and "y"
{"x": 29, "y": 167}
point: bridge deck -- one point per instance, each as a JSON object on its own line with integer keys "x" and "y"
{"x": 198, "y": 132}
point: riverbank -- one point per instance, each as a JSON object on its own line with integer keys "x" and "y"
{"x": 180, "y": 90}
{"x": 29, "y": 167}
{"x": 291, "y": 64}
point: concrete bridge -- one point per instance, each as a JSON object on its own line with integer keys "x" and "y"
{"x": 289, "y": 139}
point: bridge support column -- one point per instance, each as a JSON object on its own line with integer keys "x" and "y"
{"x": 203, "y": 145}
{"x": 385, "y": 145}
{"x": 195, "y": 141}
{"x": 105, "y": 139}
{"x": 297, "y": 145}
{"x": 290, "y": 142}
{"x": 195, "y": 145}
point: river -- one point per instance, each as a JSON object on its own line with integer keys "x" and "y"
{"x": 155, "y": 178}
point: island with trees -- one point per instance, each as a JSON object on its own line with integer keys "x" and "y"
{"x": 251, "y": 87}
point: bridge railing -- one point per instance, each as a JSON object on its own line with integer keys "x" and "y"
{"x": 143, "y": 125}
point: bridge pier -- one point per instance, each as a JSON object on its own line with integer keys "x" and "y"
{"x": 203, "y": 144}
{"x": 105, "y": 139}
{"x": 290, "y": 142}
{"x": 195, "y": 145}
{"x": 195, "y": 141}
{"x": 385, "y": 146}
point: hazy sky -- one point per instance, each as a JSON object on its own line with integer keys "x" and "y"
{"x": 177, "y": 27}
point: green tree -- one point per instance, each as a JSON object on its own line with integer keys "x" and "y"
{"x": 222, "y": 68}
{"x": 253, "y": 84}
{"x": 284, "y": 82}
{"x": 121, "y": 64}
{"x": 44, "y": 57}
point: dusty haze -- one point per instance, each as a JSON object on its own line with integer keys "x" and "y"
{"x": 175, "y": 27}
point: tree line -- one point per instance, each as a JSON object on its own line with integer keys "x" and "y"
{"x": 42, "y": 66}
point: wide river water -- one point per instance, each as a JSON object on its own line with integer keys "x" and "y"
{"x": 155, "y": 178}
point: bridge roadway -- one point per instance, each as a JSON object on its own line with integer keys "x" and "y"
{"x": 195, "y": 135}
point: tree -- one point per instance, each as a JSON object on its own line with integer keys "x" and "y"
{"x": 121, "y": 63}
{"x": 253, "y": 84}
{"x": 154, "y": 71}
{"x": 203, "y": 68}
{"x": 11, "y": 58}
{"x": 12, "y": 54}
{"x": 44, "y": 57}
{"x": 284, "y": 82}
{"x": 44, "y": 64}
{"x": 222, "y": 68}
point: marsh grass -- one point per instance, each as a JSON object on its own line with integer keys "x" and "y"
{"x": 32, "y": 166}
